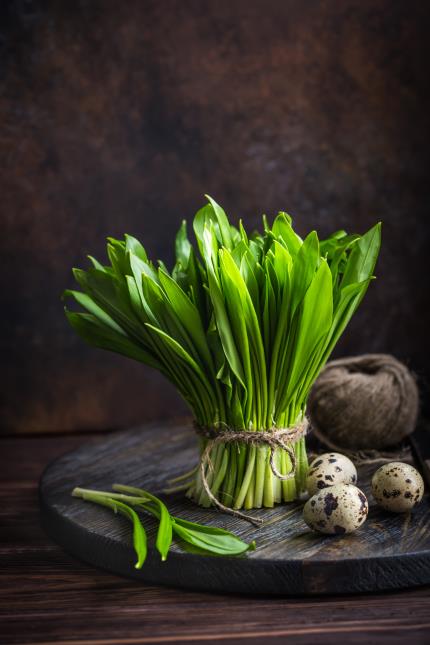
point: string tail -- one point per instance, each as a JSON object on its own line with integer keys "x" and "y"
{"x": 292, "y": 456}
{"x": 256, "y": 521}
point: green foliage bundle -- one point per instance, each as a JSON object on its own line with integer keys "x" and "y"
{"x": 241, "y": 327}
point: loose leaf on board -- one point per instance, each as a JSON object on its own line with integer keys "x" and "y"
{"x": 207, "y": 539}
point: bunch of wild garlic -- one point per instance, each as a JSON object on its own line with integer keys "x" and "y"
{"x": 242, "y": 328}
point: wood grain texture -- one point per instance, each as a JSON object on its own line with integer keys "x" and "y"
{"x": 46, "y": 596}
{"x": 118, "y": 116}
{"x": 390, "y": 550}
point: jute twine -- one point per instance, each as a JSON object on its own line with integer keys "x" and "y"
{"x": 364, "y": 457}
{"x": 364, "y": 403}
{"x": 282, "y": 438}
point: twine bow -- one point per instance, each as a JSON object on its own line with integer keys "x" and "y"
{"x": 274, "y": 438}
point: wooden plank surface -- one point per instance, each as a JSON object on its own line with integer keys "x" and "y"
{"x": 46, "y": 596}
{"x": 390, "y": 551}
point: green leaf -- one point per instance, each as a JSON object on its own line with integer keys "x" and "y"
{"x": 139, "y": 535}
{"x": 178, "y": 350}
{"x": 221, "y": 317}
{"x": 305, "y": 265}
{"x": 189, "y": 316}
{"x": 282, "y": 229}
{"x": 282, "y": 264}
{"x": 96, "y": 264}
{"x": 208, "y": 538}
{"x": 233, "y": 278}
{"x": 94, "y": 333}
{"x": 164, "y": 533}
{"x": 182, "y": 245}
{"x": 362, "y": 261}
{"x": 88, "y": 303}
{"x": 135, "y": 247}
{"x": 117, "y": 256}
{"x": 223, "y": 223}
{"x": 314, "y": 321}
{"x": 113, "y": 297}
{"x": 219, "y": 544}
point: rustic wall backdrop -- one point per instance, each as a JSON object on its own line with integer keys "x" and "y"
{"x": 118, "y": 116}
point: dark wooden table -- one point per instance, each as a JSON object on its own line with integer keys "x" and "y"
{"x": 46, "y": 596}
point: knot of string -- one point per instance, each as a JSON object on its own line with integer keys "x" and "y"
{"x": 282, "y": 438}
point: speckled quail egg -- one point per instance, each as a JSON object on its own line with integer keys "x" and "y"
{"x": 329, "y": 469}
{"x": 397, "y": 487}
{"x": 342, "y": 508}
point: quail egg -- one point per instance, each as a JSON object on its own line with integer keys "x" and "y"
{"x": 329, "y": 469}
{"x": 397, "y": 487}
{"x": 342, "y": 508}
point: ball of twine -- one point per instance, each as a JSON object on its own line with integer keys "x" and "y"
{"x": 364, "y": 402}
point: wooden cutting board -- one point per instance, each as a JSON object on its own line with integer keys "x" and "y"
{"x": 388, "y": 552}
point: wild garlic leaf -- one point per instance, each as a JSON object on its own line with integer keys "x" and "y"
{"x": 282, "y": 230}
{"x": 92, "y": 332}
{"x": 164, "y": 533}
{"x": 88, "y": 303}
{"x": 189, "y": 315}
{"x": 304, "y": 268}
{"x": 139, "y": 535}
{"x": 314, "y": 321}
{"x": 223, "y": 223}
{"x": 361, "y": 263}
{"x": 208, "y": 538}
{"x": 223, "y": 327}
{"x": 135, "y": 247}
{"x": 219, "y": 544}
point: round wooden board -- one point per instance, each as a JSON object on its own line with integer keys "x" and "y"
{"x": 388, "y": 552}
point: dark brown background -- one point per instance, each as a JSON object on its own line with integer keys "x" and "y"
{"x": 117, "y": 117}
